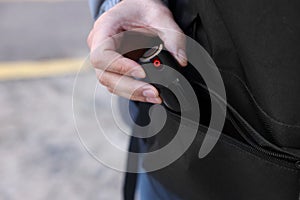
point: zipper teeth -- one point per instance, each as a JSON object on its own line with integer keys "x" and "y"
{"x": 252, "y": 144}
{"x": 258, "y": 148}
{"x": 284, "y": 162}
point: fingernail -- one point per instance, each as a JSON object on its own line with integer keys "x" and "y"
{"x": 181, "y": 55}
{"x": 138, "y": 74}
{"x": 153, "y": 100}
{"x": 149, "y": 93}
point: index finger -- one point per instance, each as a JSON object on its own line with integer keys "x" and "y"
{"x": 104, "y": 55}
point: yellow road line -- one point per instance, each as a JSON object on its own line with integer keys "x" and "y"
{"x": 37, "y": 69}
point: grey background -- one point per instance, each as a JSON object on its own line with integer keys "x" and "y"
{"x": 41, "y": 156}
{"x": 42, "y": 30}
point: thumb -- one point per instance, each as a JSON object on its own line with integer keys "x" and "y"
{"x": 173, "y": 37}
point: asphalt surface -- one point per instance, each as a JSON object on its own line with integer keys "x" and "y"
{"x": 43, "y": 30}
{"x": 41, "y": 154}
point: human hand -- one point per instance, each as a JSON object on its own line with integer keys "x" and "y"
{"x": 129, "y": 15}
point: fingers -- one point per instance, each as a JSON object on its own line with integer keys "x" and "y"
{"x": 110, "y": 60}
{"x": 129, "y": 88}
{"x": 175, "y": 43}
{"x": 173, "y": 37}
{"x": 104, "y": 55}
{"x": 90, "y": 39}
{"x": 114, "y": 70}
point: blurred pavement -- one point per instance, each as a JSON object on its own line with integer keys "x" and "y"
{"x": 41, "y": 155}
{"x": 35, "y": 30}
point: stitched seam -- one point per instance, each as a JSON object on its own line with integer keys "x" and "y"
{"x": 256, "y": 103}
{"x": 258, "y": 157}
{"x": 247, "y": 152}
{"x": 251, "y": 154}
{"x": 245, "y": 85}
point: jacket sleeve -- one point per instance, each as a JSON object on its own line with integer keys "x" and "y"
{"x": 98, "y": 7}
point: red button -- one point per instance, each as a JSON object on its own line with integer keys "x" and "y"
{"x": 156, "y": 63}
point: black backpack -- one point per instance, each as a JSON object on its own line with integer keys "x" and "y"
{"x": 256, "y": 46}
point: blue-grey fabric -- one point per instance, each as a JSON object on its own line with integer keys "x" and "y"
{"x": 147, "y": 187}
{"x": 98, "y": 7}
{"x": 95, "y": 7}
{"x": 256, "y": 46}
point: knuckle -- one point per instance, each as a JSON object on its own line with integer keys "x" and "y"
{"x": 89, "y": 43}
{"x": 104, "y": 80}
{"x": 122, "y": 69}
{"x": 120, "y": 66}
{"x": 138, "y": 98}
{"x": 160, "y": 11}
{"x": 100, "y": 20}
{"x": 94, "y": 59}
{"x": 137, "y": 91}
{"x": 90, "y": 38}
{"x": 104, "y": 18}
{"x": 165, "y": 11}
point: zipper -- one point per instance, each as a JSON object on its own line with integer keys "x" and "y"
{"x": 277, "y": 153}
{"x": 252, "y": 144}
{"x": 271, "y": 154}
{"x": 281, "y": 156}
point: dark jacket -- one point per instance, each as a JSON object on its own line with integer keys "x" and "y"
{"x": 256, "y": 46}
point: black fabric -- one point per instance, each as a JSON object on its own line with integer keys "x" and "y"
{"x": 256, "y": 45}
{"x": 269, "y": 51}
{"x": 233, "y": 170}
